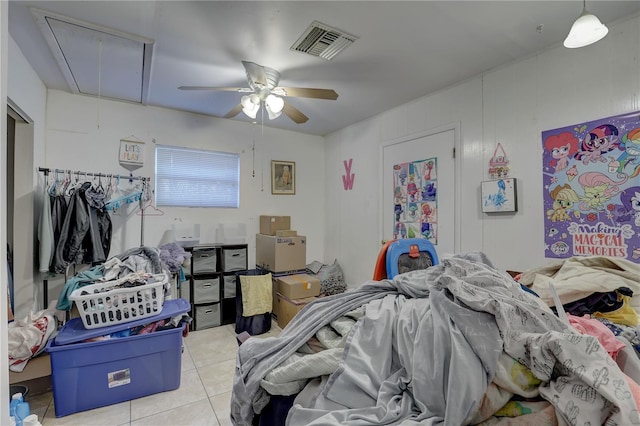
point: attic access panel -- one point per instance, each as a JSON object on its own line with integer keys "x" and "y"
{"x": 96, "y": 60}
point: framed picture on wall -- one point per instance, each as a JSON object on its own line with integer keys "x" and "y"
{"x": 283, "y": 177}
{"x": 499, "y": 196}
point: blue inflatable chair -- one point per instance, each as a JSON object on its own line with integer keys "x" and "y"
{"x": 400, "y": 256}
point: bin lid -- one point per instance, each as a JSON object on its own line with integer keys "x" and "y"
{"x": 74, "y": 331}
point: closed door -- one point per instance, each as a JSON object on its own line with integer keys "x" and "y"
{"x": 419, "y": 189}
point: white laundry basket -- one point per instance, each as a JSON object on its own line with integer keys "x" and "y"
{"x": 106, "y": 303}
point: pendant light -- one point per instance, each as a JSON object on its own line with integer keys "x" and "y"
{"x": 586, "y": 30}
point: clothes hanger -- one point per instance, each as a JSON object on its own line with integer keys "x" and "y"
{"x": 150, "y": 210}
{"x": 67, "y": 181}
{"x": 109, "y": 188}
{"x": 52, "y": 188}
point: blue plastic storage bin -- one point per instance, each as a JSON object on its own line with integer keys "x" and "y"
{"x": 94, "y": 374}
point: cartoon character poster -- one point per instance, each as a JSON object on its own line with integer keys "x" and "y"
{"x": 415, "y": 200}
{"x": 592, "y": 188}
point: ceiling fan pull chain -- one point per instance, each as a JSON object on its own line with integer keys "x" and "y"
{"x": 253, "y": 133}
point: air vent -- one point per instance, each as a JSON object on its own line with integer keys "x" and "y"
{"x": 323, "y": 41}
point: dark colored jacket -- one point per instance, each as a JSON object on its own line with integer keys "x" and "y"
{"x": 86, "y": 232}
{"x": 58, "y": 213}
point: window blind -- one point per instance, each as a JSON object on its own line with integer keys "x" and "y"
{"x": 196, "y": 178}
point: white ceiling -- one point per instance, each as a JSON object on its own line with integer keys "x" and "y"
{"x": 405, "y": 49}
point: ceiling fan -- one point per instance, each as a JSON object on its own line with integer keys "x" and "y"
{"x": 263, "y": 89}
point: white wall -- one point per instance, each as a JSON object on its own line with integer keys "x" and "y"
{"x": 28, "y": 93}
{"x": 84, "y": 134}
{"x": 511, "y": 105}
{"x": 4, "y": 356}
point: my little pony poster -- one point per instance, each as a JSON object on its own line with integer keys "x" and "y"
{"x": 591, "y": 179}
{"x": 415, "y": 194}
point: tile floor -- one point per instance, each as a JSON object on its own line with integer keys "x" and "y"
{"x": 208, "y": 363}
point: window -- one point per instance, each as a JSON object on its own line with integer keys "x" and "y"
{"x": 196, "y": 178}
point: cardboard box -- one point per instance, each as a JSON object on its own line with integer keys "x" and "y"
{"x": 281, "y": 254}
{"x": 286, "y": 233}
{"x": 270, "y": 224}
{"x": 298, "y": 286}
{"x": 36, "y": 367}
{"x": 285, "y": 309}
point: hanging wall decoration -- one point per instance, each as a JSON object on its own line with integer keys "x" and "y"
{"x": 499, "y": 163}
{"x": 591, "y": 180}
{"x": 499, "y": 196}
{"x": 415, "y": 200}
{"x": 131, "y": 154}
{"x": 283, "y": 177}
{"x": 348, "y": 178}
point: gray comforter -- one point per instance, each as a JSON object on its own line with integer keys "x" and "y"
{"x": 427, "y": 348}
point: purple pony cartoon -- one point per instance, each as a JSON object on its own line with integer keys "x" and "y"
{"x": 598, "y": 141}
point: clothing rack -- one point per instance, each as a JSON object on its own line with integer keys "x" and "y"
{"x": 46, "y": 171}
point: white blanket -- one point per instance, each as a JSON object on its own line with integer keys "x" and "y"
{"x": 428, "y": 347}
{"x": 578, "y": 277}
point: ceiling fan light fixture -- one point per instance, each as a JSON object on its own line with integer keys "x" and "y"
{"x": 272, "y": 114}
{"x": 274, "y": 103}
{"x": 251, "y": 112}
{"x": 249, "y": 101}
{"x": 586, "y": 30}
{"x": 250, "y": 105}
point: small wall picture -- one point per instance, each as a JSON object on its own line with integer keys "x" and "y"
{"x": 283, "y": 177}
{"x": 499, "y": 196}
{"x": 131, "y": 154}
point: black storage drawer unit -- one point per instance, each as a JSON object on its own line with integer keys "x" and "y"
{"x": 212, "y": 283}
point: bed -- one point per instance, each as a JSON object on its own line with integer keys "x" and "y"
{"x": 459, "y": 342}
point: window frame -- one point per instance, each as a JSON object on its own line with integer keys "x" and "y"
{"x": 198, "y": 180}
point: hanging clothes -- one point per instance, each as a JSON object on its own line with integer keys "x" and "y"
{"x": 45, "y": 233}
{"x": 123, "y": 197}
{"x": 59, "y": 209}
{"x": 85, "y": 236}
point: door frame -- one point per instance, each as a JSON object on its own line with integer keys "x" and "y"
{"x": 457, "y": 222}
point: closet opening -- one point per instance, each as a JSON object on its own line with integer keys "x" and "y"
{"x": 9, "y": 177}
{"x": 19, "y": 177}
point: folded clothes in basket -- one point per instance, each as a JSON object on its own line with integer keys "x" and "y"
{"x": 146, "y": 259}
{"x": 132, "y": 280}
{"x": 114, "y": 302}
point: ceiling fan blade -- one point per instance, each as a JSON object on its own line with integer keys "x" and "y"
{"x": 255, "y": 73}
{"x": 235, "y": 111}
{"x": 221, "y": 89}
{"x": 294, "y": 113}
{"x": 302, "y": 92}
